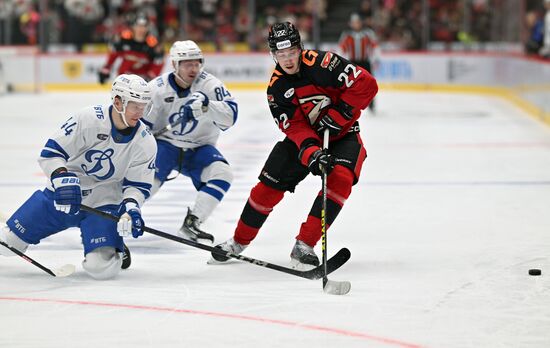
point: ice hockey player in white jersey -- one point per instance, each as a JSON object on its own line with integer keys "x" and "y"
{"x": 190, "y": 107}
{"x": 103, "y": 156}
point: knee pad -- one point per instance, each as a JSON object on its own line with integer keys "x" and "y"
{"x": 11, "y": 239}
{"x": 217, "y": 171}
{"x": 339, "y": 184}
{"x": 102, "y": 263}
{"x": 218, "y": 177}
{"x": 265, "y": 197}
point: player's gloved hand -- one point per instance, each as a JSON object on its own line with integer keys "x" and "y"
{"x": 321, "y": 161}
{"x": 334, "y": 118}
{"x": 67, "y": 195}
{"x": 104, "y": 75}
{"x": 131, "y": 221}
{"x": 198, "y": 104}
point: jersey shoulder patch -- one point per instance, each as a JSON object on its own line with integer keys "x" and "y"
{"x": 274, "y": 77}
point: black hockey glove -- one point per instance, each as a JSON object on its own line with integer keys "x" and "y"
{"x": 334, "y": 118}
{"x": 103, "y": 75}
{"x": 321, "y": 161}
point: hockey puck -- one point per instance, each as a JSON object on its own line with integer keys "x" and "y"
{"x": 535, "y": 272}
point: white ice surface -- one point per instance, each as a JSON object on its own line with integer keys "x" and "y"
{"x": 452, "y": 209}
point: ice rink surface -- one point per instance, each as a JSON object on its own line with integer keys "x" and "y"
{"x": 452, "y": 209}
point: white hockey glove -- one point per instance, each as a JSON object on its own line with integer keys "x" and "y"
{"x": 131, "y": 221}
{"x": 198, "y": 104}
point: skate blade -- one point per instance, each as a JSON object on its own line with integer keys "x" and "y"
{"x": 207, "y": 239}
{"x": 213, "y": 261}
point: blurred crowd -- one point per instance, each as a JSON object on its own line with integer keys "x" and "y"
{"x": 397, "y": 22}
{"x": 81, "y": 22}
{"x": 401, "y": 22}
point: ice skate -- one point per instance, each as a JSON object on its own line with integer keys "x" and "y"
{"x": 126, "y": 258}
{"x": 190, "y": 229}
{"x": 229, "y": 246}
{"x": 303, "y": 257}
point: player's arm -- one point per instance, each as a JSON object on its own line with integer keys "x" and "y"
{"x": 139, "y": 177}
{"x": 215, "y": 102}
{"x": 357, "y": 86}
{"x": 357, "y": 89}
{"x": 343, "y": 44}
{"x": 136, "y": 186}
{"x": 291, "y": 120}
{"x": 67, "y": 141}
{"x": 57, "y": 151}
{"x": 115, "y": 50}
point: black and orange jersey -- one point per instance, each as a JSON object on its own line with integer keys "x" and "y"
{"x": 143, "y": 58}
{"x": 296, "y": 100}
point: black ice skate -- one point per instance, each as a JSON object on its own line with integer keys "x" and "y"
{"x": 190, "y": 229}
{"x": 303, "y": 257}
{"x": 126, "y": 258}
{"x": 228, "y": 246}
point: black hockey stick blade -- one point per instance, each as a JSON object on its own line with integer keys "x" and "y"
{"x": 335, "y": 262}
{"x": 63, "y": 271}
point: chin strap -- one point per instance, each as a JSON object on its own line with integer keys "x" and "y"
{"x": 182, "y": 81}
{"x": 122, "y": 113}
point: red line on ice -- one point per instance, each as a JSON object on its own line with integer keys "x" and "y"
{"x": 359, "y": 335}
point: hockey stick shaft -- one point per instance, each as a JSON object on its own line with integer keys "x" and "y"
{"x": 28, "y": 259}
{"x": 172, "y": 125}
{"x": 329, "y": 286}
{"x": 324, "y": 211}
{"x": 337, "y": 260}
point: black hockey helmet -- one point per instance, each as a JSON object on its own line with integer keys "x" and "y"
{"x": 283, "y": 35}
{"x": 138, "y": 19}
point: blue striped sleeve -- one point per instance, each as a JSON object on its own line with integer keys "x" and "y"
{"x": 141, "y": 186}
{"x": 53, "y": 149}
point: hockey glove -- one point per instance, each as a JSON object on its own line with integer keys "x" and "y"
{"x": 104, "y": 75}
{"x": 67, "y": 195}
{"x": 320, "y": 162}
{"x": 334, "y": 118}
{"x": 131, "y": 221}
{"x": 198, "y": 104}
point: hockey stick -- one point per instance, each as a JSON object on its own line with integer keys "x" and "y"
{"x": 175, "y": 124}
{"x": 64, "y": 271}
{"x": 329, "y": 286}
{"x": 335, "y": 262}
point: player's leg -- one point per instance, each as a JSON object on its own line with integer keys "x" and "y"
{"x": 35, "y": 220}
{"x": 103, "y": 247}
{"x": 281, "y": 172}
{"x": 345, "y": 174}
{"x": 212, "y": 177}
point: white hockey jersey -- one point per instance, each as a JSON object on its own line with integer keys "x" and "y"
{"x": 111, "y": 166}
{"x": 167, "y": 107}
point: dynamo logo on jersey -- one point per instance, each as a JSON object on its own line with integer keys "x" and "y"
{"x": 186, "y": 122}
{"x": 101, "y": 165}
